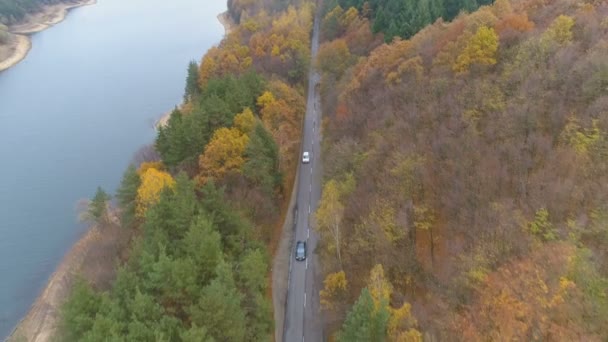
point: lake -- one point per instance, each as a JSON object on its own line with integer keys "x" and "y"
{"x": 73, "y": 113}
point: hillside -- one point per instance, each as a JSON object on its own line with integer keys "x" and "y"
{"x": 465, "y": 175}
{"x": 204, "y": 203}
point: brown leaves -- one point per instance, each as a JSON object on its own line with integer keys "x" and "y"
{"x": 526, "y": 300}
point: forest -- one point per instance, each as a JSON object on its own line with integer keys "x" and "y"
{"x": 399, "y": 18}
{"x": 202, "y": 208}
{"x": 465, "y": 172}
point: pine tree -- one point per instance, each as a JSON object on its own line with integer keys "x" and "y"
{"x": 192, "y": 90}
{"x": 365, "y": 323}
{"x": 127, "y": 195}
{"x": 79, "y": 311}
{"x": 262, "y": 165}
{"x": 98, "y": 207}
{"x": 219, "y": 308}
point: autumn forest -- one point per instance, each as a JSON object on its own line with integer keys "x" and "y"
{"x": 465, "y": 165}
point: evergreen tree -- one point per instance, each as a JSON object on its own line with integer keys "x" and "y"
{"x": 262, "y": 165}
{"x": 252, "y": 280}
{"x": 203, "y": 245}
{"x": 219, "y": 308}
{"x": 172, "y": 141}
{"x": 364, "y": 322}
{"x": 192, "y": 90}
{"x": 97, "y": 210}
{"x": 127, "y": 195}
{"x": 184, "y": 207}
{"x": 79, "y": 312}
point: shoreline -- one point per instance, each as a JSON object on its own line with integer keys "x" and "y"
{"x": 21, "y": 46}
{"x": 228, "y": 24}
{"x": 40, "y": 322}
{"x": 47, "y": 17}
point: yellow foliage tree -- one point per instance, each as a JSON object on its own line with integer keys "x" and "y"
{"x": 334, "y": 289}
{"x": 153, "y": 182}
{"x": 349, "y": 17}
{"x": 281, "y": 109}
{"x": 245, "y": 121}
{"x": 579, "y": 138}
{"x": 223, "y": 154}
{"x": 480, "y": 49}
{"x": 401, "y": 325}
{"x": 560, "y": 30}
{"x": 378, "y": 286}
{"x": 265, "y": 99}
{"x": 150, "y": 165}
{"x": 383, "y": 215}
{"x": 329, "y": 217}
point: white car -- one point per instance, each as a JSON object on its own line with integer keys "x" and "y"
{"x": 305, "y": 158}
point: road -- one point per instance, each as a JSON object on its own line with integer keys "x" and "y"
{"x": 302, "y": 315}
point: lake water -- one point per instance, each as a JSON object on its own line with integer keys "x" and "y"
{"x": 71, "y": 116}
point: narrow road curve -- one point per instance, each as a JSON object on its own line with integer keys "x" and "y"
{"x": 302, "y": 315}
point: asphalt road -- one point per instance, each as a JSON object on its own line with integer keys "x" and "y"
{"x": 302, "y": 315}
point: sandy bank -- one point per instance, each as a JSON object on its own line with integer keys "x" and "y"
{"x": 41, "y": 322}
{"x": 20, "y": 44}
{"x": 15, "y": 51}
{"x": 93, "y": 257}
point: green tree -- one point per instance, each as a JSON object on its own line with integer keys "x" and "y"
{"x": 79, "y": 312}
{"x": 196, "y": 334}
{"x": 262, "y": 165}
{"x": 364, "y": 322}
{"x": 253, "y": 272}
{"x": 541, "y": 226}
{"x": 203, "y": 244}
{"x": 127, "y": 195}
{"x": 192, "y": 90}
{"x": 97, "y": 210}
{"x": 219, "y": 308}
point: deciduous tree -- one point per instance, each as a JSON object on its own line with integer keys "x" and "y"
{"x": 152, "y": 183}
{"x": 480, "y": 49}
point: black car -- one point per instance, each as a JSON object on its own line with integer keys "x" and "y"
{"x": 301, "y": 251}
